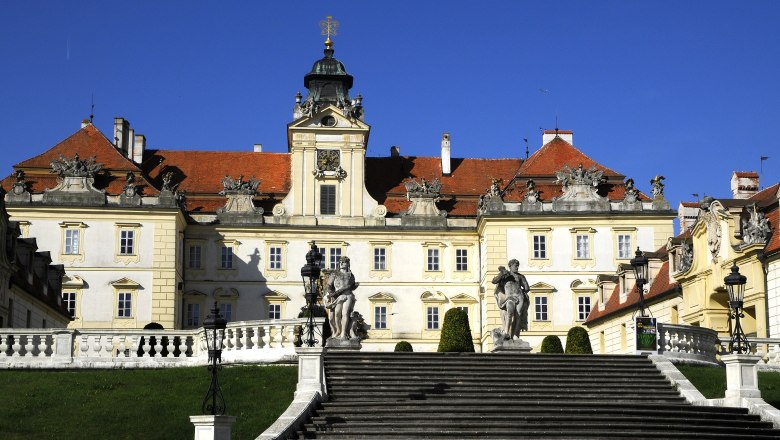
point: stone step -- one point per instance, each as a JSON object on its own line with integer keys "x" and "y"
{"x": 660, "y": 398}
{"x": 514, "y": 419}
{"x": 351, "y": 382}
{"x": 489, "y": 357}
{"x": 644, "y": 432}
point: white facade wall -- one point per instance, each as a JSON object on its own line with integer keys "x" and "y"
{"x": 773, "y": 297}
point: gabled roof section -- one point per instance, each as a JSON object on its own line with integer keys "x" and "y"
{"x": 87, "y": 142}
{"x": 313, "y": 121}
{"x": 554, "y": 155}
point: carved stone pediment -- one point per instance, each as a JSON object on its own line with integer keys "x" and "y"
{"x": 423, "y": 210}
{"x": 240, "y": 207}
{"x": 580, "y": 190}
{"x": 493, "y": 199}
{"x": 76, "y": 179}
{"x": 19, "y": 191}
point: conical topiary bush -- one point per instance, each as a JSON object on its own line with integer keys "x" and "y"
{"x": 456, "y": 333}
{"x": 578, "y": 342}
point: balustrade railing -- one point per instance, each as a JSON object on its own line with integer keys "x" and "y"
{"x": 245, "y": 341}
{"x": 688, "y": 342}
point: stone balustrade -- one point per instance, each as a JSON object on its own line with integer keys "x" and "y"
{"x": 687, "y": 342}
{"x": 265, "y": 341}
{"x": 767, "y": 348}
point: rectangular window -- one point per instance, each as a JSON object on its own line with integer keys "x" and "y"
{"x": 274, "y": 311}
{"x": 380, "y": 317}
{"x": 125, "y": 306}
{"x": 328, "y": 199}
{"x": 583, "y": 308}
{"x": 69, "y": 299}
{"x": 433, "y": 318}
{"x": 540, "y": 308}
{"x": 335, "y": 256}
{"x": 227, "y": 257}
{"x": 464, "y": 308}
{"x": 624, "y": 246}
{"x": 380, "y": 258}
{"x": 193, "y": 315}
{"x": 126, "y": 242}
{"x": 583, "y": 248}
{"x": 322, "y": 257}
{"x": 226, "y": 310}
{"x": 275, "y": 258}
{"x": 461, "y": 260}
{"x": 433, "y": 260}
{"x": 72, "y": 241}
{"x": 540, "y": 246}
{"x": 195, "y": 253}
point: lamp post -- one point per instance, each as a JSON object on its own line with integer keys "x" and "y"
{"x": 639, "y": 263}
{"x": 735, "y": 282}
{"x": 310, "y": 273}
{"x": 214, "y": 326}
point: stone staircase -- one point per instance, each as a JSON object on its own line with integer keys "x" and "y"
{"x": 513, "y": 396}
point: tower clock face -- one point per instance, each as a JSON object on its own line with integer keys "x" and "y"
{"x": 328, "y": 160}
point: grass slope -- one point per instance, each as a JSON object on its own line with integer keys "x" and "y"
{"x": 132, "y": 404}
{"x": 711, "y": 381}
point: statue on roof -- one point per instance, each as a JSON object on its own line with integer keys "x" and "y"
{"x": 493, "y": 199}
{"x": 20, "y": 186}
{"x": 75, "y": 167}
{"x": 166, "y": 182}
{"x": 531, "y": 194}
{"x": 632, "y": 194}
{"x": 239, "y": 186}
{"x": 129, "y": 189}
{"x": 755, "y": 228}
{"x": 657, "y": 186}
{"x": 579, "y": 176}
{"x": 686, "y": 259}
{"x": 423, "y": 188}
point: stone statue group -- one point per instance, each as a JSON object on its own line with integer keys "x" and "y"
{"x": 511, "y": 295}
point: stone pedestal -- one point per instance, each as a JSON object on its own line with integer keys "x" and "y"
{"x": 343, "y": 344}
{"x": 741, "y": 377}
{"x": 311, "y": 370}
{"x": 212, "y": 427}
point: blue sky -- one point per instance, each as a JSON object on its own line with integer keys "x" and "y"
{"x": 689, "y": 90}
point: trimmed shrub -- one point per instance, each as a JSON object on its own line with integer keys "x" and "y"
{"x": 456, "y": 333}
{"x": 552, "y": 344}
{"x": 578, "y": 342}
{"x": 404, "y": 347}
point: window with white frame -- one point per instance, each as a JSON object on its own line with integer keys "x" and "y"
{"x": 583, "y": 307}
{"x": 540, "y": 308}
{"x": 226, "y": 261}
{"x": 274, "y": 311}
{"x": 196, "y": 251}
{"x": 69, "y": 299}
{"x": 126, "y": 242}
{"x": 323, "y": 256}
{"x": 72, "y": 242}
{"x": 193, "y": 315}
{"x": 464, "y": 308}
{"x": 380, "y": 258}
{"x": 624, "y": 246}
{"x": 334, "y": 255}
{"x": 380, "y": 317}
{"x": 540, "y": 246}
{"x": 226, "y": 310}
{"x": 125, "y": 305}
{"x": 583, "y": 246}
{"x": 328, "y": 199}
{"x": 432, "y": 315}
{"x": 461, "y": 260}
{"x": 433, "y": 260}
{"x": 275, "y": 258}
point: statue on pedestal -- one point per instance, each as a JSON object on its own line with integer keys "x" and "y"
{"x": 340, "y": 300}
{"x": 512, "y": 299}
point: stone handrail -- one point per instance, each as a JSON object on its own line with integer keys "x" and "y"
{"x": 262, "y": 341}
{"x": 687, "y": 342}
{"x": 767, "y": 348}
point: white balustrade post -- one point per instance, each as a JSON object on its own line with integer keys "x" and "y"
{"x": 64, "y": 346}
{"x": 266, "y": 337}
{"x": 212, "y": 427}
{"x": 741, "y": 377}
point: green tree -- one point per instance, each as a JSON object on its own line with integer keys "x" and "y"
{"x": 578, "y": 342}
{"x": 403, "y": 346}
{"x": 552, "y": 344}
{"x": 456, "y": 332}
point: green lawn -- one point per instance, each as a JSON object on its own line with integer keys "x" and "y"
{"x": 711, "y": 381}
{"x": 132, "y": 404}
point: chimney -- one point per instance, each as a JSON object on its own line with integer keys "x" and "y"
{"x": 138, "y": 148}
{"x": 445, "y": 154}
{"x": 549, "y": 135}
{"x": 130, "y": 143}
{"x": 744, "y": 184}
{"x": 121, "y": 140}
{"x": 395, "y": 151}
{"x": 258, "y": 148}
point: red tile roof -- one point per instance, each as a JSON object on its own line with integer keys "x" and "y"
{"x": 554, "y": 154}
{"x": 661, "y": 286}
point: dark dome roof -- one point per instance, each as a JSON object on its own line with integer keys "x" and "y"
{"x": 328, "y": 67}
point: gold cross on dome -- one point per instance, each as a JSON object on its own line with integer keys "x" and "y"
{"x": 329, "y": 26}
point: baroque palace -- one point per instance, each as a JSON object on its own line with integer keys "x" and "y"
{"x": 151, "y": 235}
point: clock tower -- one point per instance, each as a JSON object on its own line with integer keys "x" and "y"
{"x": 327, "y": 141}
